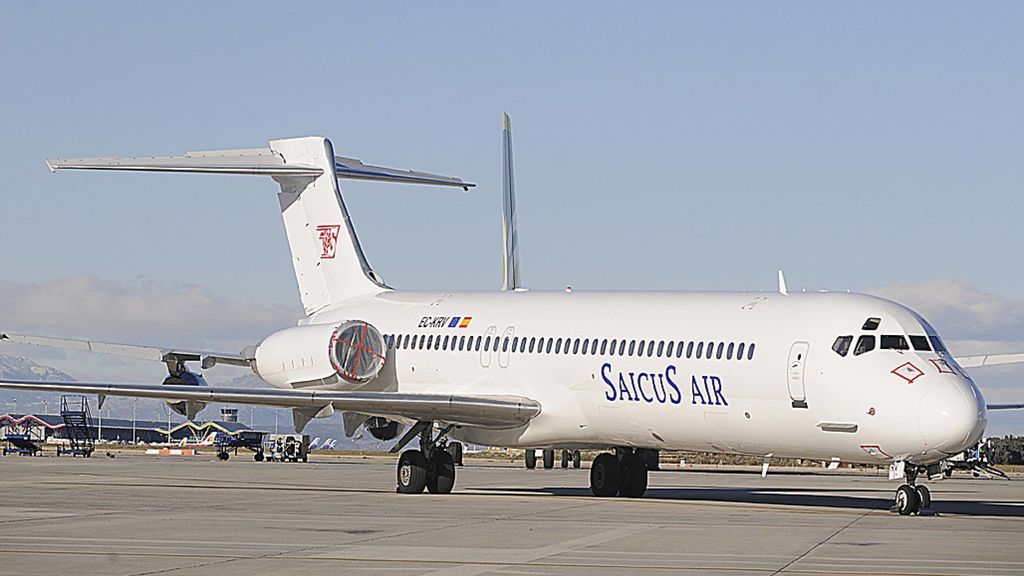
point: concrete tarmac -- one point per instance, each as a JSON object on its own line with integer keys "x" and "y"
{"x": 136, "y": 515}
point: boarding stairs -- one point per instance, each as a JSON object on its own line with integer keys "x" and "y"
{"x": 78, "y": 431}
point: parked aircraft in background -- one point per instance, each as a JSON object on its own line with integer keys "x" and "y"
{"x": 826, "y": 376}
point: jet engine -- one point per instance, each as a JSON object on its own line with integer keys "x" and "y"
{"x": 383, "y": 429}
{"x": 178, "y": 375}
{"x": 350, "y": 354}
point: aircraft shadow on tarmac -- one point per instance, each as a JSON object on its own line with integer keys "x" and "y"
{"x": 796, "y": 497}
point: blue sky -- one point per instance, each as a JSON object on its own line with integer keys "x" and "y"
{"x": 658, "y": 145}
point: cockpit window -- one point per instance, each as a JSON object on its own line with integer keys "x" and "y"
{"x": 842, "y": 345}
{"x": 920, "y": 343}
{"x": 937, "y": 344}
{"x": 864, "y": 344}
{"x": 871, "y": 324}
{"x": 894, "y": 342}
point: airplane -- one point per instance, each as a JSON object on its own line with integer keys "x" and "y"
{"x": 823, "y": 376}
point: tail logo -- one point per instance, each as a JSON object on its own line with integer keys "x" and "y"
{"x": 328, "y": 234}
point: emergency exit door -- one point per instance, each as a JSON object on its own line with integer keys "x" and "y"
{"x": 795, "y": 373}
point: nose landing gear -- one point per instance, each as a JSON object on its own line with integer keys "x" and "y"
{"x": 912, "y": 498}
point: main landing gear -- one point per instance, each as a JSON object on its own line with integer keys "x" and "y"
{"x": 623, "y": 473}
{"x": 432, "y": 467}
{"x": 912, "y": 498}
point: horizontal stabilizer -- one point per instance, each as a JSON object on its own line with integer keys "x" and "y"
{"x": 256, "y": 161}
{"x": 485, "y": 411}
{"x": 1019, "y": 406}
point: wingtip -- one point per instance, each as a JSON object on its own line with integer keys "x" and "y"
{"x": 506, "y": 122}
{"x": 50, "y": 165}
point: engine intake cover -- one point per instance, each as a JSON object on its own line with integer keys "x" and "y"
{"x": 357, "y": 351}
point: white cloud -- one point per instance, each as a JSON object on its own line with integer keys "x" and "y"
{"x": 961, "y": 311}
{"x": 89, "y": 307}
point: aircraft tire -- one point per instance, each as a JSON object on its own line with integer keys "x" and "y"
{"x": 549, "y": 459}
{"x": 906, "y": 500}
{"x": 577, "y": 459}
{"x": 634, "y": 476}
{"x": 258, "y": 457}
{"x": 605, "y": 475}
{"x": 455, "y": 449}
{"x": 441, "y": 478}
{"x": 924, "y": 497}
{"x": 223, "y": 456}
{"x": 412, "y": 472}
{"x": 531, "y": 458}
{"x": 565, "y": 458}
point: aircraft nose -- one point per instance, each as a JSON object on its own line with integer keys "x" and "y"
{"x": 952, "y": 416}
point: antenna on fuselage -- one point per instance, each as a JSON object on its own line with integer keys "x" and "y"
{"x": 782, "y": 284}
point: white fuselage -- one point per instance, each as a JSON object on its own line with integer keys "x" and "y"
{"x": 793, "y": 396}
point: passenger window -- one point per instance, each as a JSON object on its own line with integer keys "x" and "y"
{"x": 679, "y": 350}
{"x": 864, "y": 344}
{"x": 479, "y": 339}
{"x": 710, "y": 350}
{"x": 551, "y": 342}
{"x": 622, "y": 348}
{"x": 668, "y": 351}
{"x": 842, "y": 345}
{"x": 576, "y": 346}
{"x": 611, "y": 349}
{"x": 445, "y": 347}
{"x": 871, "y": 324}
{"x": 920, "y": 343}
{"x": 522, "y": 345}
{"x": 893, "y": 342}
{"x": 632, "y": 347}
{"x": 718, "y": 353}
{"x": 729, "y": 351}
{"x": 739, "y": 350}
{"x": 650, "y": 348}
{"x": 586, "y": 345}
{"x": 487, "y": 344}
{"x": 639, "y": 349}
{"x": 533, "y": 344}
{"x": 700, "y": 350}
{"x": 504, "y": 344}
{"x": 689, "y": 350}
{"x": 604, "y": 345}
{"x": 750, "y": 352}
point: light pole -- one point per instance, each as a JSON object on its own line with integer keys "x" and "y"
{"x": 135, "y": 404}
{"x": 275, "y": 421}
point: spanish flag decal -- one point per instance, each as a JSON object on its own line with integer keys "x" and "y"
{"x": 465, "y": 322}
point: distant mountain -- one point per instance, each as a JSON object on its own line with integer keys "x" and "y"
{"x": 17, "y": 368}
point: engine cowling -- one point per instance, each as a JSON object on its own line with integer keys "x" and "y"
{"x": 351, "y": 354}
{"x": 187, "y": 408}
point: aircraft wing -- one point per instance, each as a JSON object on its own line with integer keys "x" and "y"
{"x": 989, "y": 360}
{"x": 1019, "y": 406}
{"x": 464, "y": 409}
{"x": 209, "y": 359}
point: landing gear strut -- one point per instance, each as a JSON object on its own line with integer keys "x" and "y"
{"x": 911, "y": 498}
{"x": 431, "y": 467}
{"x": 623, "y": 473}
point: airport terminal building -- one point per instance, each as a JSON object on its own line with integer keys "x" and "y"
{"x": 41, "y": 427}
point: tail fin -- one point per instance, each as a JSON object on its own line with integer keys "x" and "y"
{"x": 329, "y": 263}
{"x": 510, "y": 236}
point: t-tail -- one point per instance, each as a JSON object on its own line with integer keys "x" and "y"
{"x": 329, "y": 262}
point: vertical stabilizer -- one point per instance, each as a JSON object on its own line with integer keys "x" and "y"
{"x": 510, "y": 249}
{"x": 329, "y": 263}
